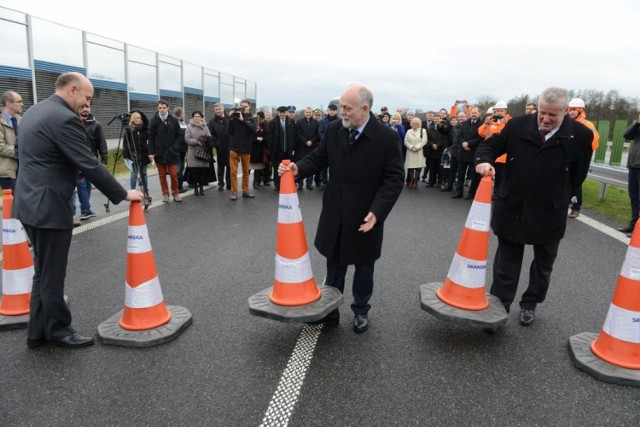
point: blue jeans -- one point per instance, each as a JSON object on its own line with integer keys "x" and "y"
{"x": 133, "y": 179}
{"x": 634, "y": 194}
{"x": 181, "y": 166}
{"x": 84, "y": 194}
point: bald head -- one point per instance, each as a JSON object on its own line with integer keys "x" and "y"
{"x": 355, "y": 105}
{"x": 75, "y": 89}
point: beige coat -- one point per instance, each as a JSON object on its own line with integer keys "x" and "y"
{"x": 7, "y": 149}
{"x": 415, "y": 139}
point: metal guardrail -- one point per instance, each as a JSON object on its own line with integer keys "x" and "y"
{"x": 607, "y": 175}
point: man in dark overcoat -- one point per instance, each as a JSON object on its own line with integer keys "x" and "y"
{"x": 54, "y": 152}
{"x": 367, "y": 173}
{"x": 283, "y": 134}
{"x": 548, "y": 156}
{"x": 308, "y": 139}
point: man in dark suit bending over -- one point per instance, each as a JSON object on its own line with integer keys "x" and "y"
{"x": 55, "y": 149}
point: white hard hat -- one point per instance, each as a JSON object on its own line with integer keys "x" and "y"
{"x": 500, "y": 104}
{"x": 490, "y": 110}
{"x": 576, "y": 102}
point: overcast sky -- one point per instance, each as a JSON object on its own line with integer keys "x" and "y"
{"x": 420, "y": 54}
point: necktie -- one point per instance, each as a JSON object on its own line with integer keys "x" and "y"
{"x": 14, "y": 123}
{"x": 353, "y": 134}
{"x": 543, "y": 136}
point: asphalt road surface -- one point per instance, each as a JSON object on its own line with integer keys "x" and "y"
{"x": 230, "y": 368}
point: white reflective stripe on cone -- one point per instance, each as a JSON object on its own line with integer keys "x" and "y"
{"x": 145, "y": 295}
{"x": 138, "y": 239}
{"x": 467, "y": 272}
{"x": 479, "y": 217}
{"x": 289, "y": 209}
{"x": 623, "y": 324}
{"x": 13, "y": 232}
{"x": 631, "y": 265}
{"x": 293, "y": 270}
{"x": 16, "y": 282}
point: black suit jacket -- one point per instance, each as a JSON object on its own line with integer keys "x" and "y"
{"x": 365, "y": 177}
{"x": 54, "y": 150}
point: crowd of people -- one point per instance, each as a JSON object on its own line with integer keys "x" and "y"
{"x": 448, "y": 149}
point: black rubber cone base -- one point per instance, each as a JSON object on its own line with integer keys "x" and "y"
{"x": 584, "y": 359}
{"x": 491, "y": 317}
{"x": 13, "y": 322}
{"x": 18, "y": 322}
{"x": 260, "y": 305}
{"x": 111, "y": 333}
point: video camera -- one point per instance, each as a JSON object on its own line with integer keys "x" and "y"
{"x": 124, "y": 118}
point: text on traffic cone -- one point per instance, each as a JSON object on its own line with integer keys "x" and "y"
{"x": 294, "y": 283}
{"x": 464, "y": 286}
{"x": 144, "y": 303}
{"x": 17, "y": 264}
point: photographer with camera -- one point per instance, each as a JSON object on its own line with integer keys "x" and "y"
{"x": 242, "y": 129}
{"x": 135, "y": 149}
{"x": 497, "y": 122}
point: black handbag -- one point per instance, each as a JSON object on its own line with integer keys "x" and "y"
{"x": 202, "y": 152}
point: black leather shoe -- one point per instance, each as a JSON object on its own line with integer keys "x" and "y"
{"x": 309, "y": 187}
{"x": 75, "y": 340}
{"x": 248, "y": 196}
{"x": 627, "y": 229}
{"x": 527, "y": 317}
{"x": 457, "y": 196}
{"x": 470, "y": 197}
{"x": 360, "y": 323}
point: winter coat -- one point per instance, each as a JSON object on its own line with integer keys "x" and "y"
{"x": 218, "y": 128}
{"x": 7, "y": 148}
{"x": 242, "y": 133}
{"x": 164, "y": 139}
{"x": 530, "y": 205}
{"x": 455, "y": 140}
{"x": 97, "y": 141}
{"x": 417, "y": 139}
{"x": 439, "y": 137}
{"x": 307, "y": 131}
{"x": 135, "y": 142}
{"x": 469, "y": 134}
{"x": 633, "y": 134}
{"x": 258, "y": 147}
{"x": 281, "y": 143}
{"x": 191, "y": 135}
{"x": 366, "y": 176}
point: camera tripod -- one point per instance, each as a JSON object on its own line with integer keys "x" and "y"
{"x": 133, "y": 154}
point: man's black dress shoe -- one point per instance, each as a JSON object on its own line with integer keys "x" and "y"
{"x": 75, "y": 340}
{"x": 360, "y": 323}
{"x": 527, "y": 317}
{"x": 627, "y": 229}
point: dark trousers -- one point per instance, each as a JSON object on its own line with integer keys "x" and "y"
{"x": 50, "y": 317}
{"x": 362, "y": 287}
{"x": 181, "y": 166}
{"x": 453, "y": 171}
{"x": 435, "y": 176}
{"x": 634, "y": 195}
{"x": 506, "y": 272}
{"x": 224, "y": 173}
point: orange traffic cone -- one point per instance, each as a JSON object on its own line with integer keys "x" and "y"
{"x": 462, "y": 296}
{"x": 144, "y": 306}
{"x": 614, "y": 355}
{"x": 294, "y": 283}
{"x": 465, "y": 284}
{"x": 17, "y": 264}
